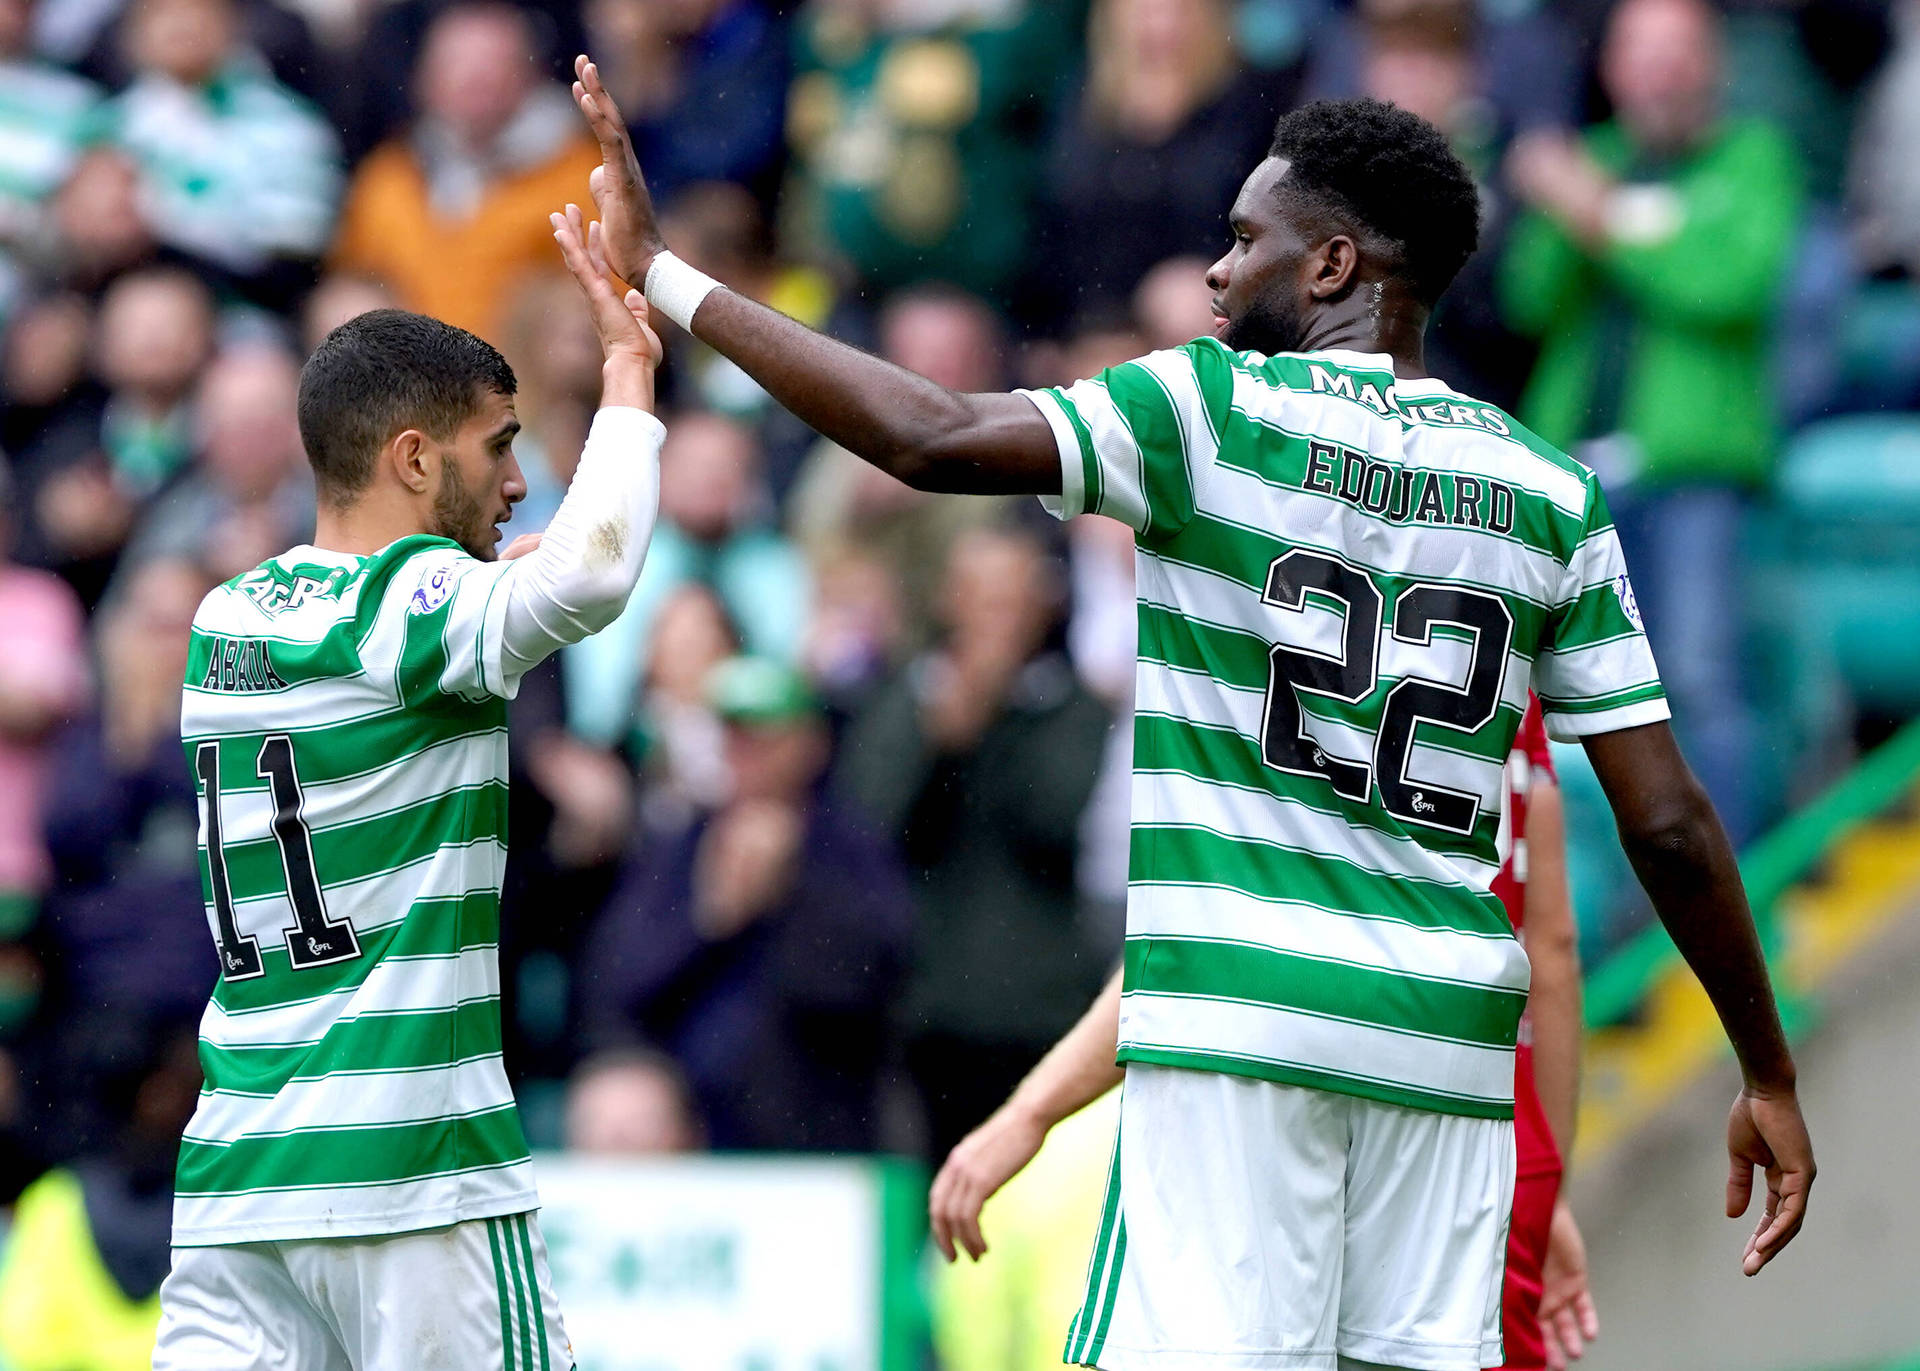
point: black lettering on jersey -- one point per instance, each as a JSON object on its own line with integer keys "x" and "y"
{"x": 1353, "y": 475}
{"x": 241, "y": 665}
{"x": 1321, "y": 458}
{"x": 1500, "y": 512}
{"x": 1431, "y": 511}
{"x": 1379, "y": 478}
{"x": 1402, "y": 496}
{"x": 1466, "y": 501}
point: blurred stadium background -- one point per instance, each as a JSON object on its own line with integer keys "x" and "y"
{"x": 773, "y": 948}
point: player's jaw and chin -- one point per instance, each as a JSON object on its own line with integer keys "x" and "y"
{"x": 460, "y": 514}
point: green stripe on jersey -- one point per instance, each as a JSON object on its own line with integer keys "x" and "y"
{"x": 1430, "y": 1008}
{"x": 320, "y": 1156}
{"x": 358, "y": 873}
{"x": 1399, "y": 508}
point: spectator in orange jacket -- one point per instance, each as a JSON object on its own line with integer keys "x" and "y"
{"x": 452, "y": 215}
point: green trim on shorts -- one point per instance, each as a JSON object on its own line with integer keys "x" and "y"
{"x": 1081, "y": 1331}
{"x": 500, "y": 1283}
{"x": 533, "y": 1292}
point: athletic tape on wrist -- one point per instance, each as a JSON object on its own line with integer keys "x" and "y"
{"x": 676, "y": 289}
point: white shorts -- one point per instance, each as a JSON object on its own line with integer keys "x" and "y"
{"x": 1251, "y": 1226}
{"x": 472, "y": 1297}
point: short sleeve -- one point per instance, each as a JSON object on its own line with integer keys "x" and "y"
{"x": 453, "y": 621}
{"x": 1137, "y": 441}
{"x": 1595, "y": 672}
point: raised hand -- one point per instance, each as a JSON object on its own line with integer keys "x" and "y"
{"x": 620, "y": 320}
{"x": 618, "y": 189}
{"x": 1766, "y": 1130}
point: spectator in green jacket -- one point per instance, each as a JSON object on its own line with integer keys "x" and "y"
{"x": 1648, "y": 267}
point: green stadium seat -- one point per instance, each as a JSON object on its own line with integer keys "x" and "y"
{"x": 1838, "y": 563}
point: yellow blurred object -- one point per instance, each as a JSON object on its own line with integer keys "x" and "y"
{"x": 60, "y": 1309}
{"x": 1010, "y": 1311}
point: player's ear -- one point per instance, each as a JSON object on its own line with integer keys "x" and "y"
{"x": 1331, "y": 266}
{"x": 414, "y": 460}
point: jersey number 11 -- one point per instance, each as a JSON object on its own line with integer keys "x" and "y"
{"x": 313, "y": 940}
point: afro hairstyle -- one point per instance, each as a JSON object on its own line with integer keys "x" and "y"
{"x": 1376, "y": 166}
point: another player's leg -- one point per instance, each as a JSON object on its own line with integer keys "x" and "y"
{"x": 237, "y": 1308}
{"x": 471, "y": 1296}
{"x": 1429, "y": 1199}
{"x": 1221, "y": 1237}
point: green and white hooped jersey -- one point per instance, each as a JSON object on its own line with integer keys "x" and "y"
{"x": 1347, "y": 585}
{"x": 345, "y": 721}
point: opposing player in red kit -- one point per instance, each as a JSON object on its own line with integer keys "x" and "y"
{"x": 1547, "y": 1312}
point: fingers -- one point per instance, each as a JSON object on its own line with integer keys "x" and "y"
{"x": 597, "y": 248}
{"x": 602, "y": 115}
{"x": 1587, "y": 1316}
{"x": 1739, "y": 1184}
{"x": 521, "y": 546}
{"x": 1786, "y": 1211}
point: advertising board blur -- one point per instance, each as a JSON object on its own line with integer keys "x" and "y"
{"x": 734, "y": 1263}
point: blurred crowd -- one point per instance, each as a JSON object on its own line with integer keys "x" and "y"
{"x": 824, "y": 840}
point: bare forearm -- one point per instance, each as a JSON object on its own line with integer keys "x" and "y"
{"x": 911, "y": 428}
{"x": 1078, "y": 1069}
{"x": 1553, "y": 943}
{"x": 1683, "y": 859}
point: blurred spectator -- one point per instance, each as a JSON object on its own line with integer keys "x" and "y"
{"x": 630, "y": 1102}
{"x": 43, "y": 681}
{"x": 914, "y": 123}
{"x": 89, "y": 1245}
{"x": 1166, "y": 128}
{"x": 979, "y": 760}
{"x": 703, "y": 84}
{"x": 762, "y": 944}
{"x": 125, "y": 916}
{"x": 43, "y": 366}
{"x": 89, "y": 470}
{"x": 677, "y": 739}
{"x": 713, "y": 529}
{"x": 1649, "y": 269}
{"x": 722, "y": 230}
{"x": 1488, "y": 71}
{"x": 45, "y": 121}
{"x": 452, "y": 215}
{"x": 248, "y": 495}
{"x": 99, "y": 224}
{"x": 237, "y": 171}
{"x": 340, "y": 296}
{"x": 1884, "y": 183}
{"x": 858, "y": 628}
{"x": 1441, "y": 59}
{"x": 555, "y": 354}
{"x": 840, "y": 502}
{"x": 1172, "y": 304}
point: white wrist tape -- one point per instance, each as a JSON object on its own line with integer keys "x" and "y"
{"x": 676, "y": 289}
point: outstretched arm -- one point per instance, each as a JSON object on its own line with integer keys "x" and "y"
{"x": 924, "y": 434}
{"x": 1681, "y": 854}
{"x": 1076, "y": 1071}
{"x": 575, "y": 578}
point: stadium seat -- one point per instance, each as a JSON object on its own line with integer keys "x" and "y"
{"x": 1836, "y": 569}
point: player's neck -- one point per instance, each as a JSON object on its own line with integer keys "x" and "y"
{"x": 1373, "y": 320}
{"x": 362, "y": 528}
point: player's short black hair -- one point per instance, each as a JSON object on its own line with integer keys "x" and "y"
{"x": 1379, "y": 167}
{"x": 380, "y": 373}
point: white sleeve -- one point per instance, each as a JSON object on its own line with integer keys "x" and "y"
{"x": 474, "y": 628}
{"x": 578, "y": 580}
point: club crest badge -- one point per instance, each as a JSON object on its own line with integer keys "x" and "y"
{"x": 1629, "y": 605}
{"x": 437, "y": 590}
